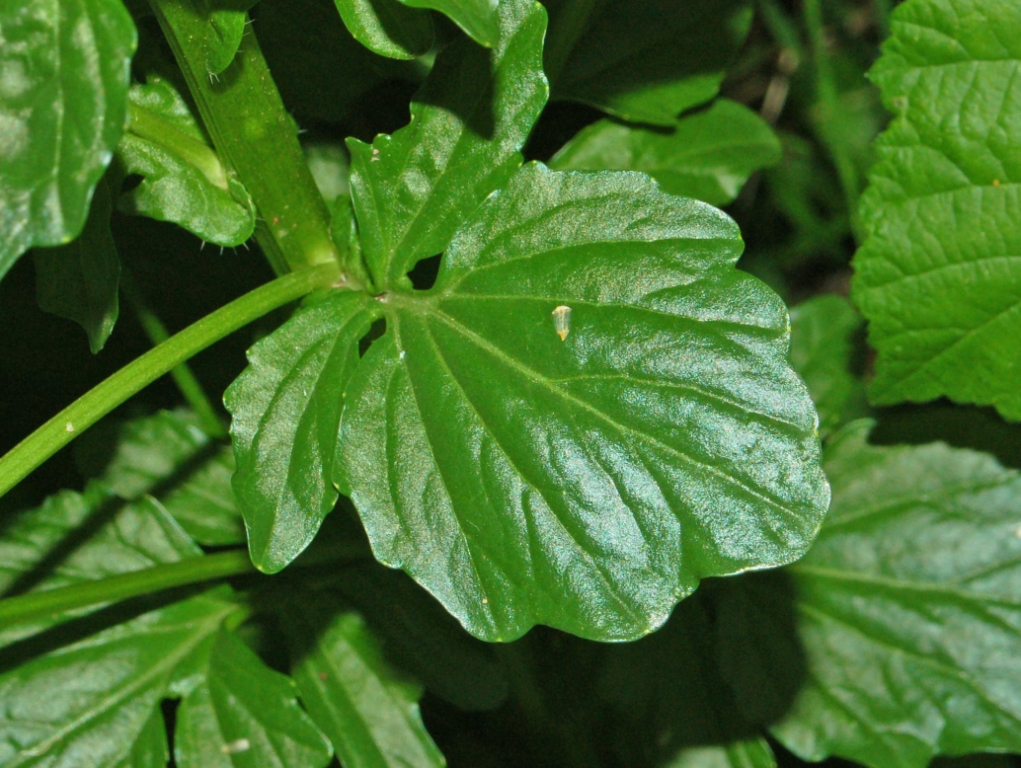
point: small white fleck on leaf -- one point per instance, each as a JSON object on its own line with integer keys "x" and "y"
{"x": 562, "y": 321}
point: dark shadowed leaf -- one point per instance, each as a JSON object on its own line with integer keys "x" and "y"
{"x": 80, "y": 280}
{"x": 939, "y": 277}
{"x": 708, "y": 155}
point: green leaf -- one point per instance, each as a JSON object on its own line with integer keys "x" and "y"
{"x": 413, "y": 189}
{"x": 73, "y": 538}
{"x": 751, "y": 753}
{"x": 937, "y": 277}
{"x": 80, "y": 280}
{"x": 388, "y": 27}
{"x": 286, "y": 408}
{"x": 368, "y": 711}
{"x": 708, "y": 155}
{"x": 479, "y": 18}
{"x": 909, "y": 615}
{"x": 586, "y": 481}
{"x": 63, "y": 100}
{"x": 227, "y": 20}
{"x": 644, "y": 61}
{"x": 183, "y": 180}
{"x": 244, "y": 714}
{"x": 150, "y": 749}
{"x": 826, "y": 349}
{"x": 168, "y": 455}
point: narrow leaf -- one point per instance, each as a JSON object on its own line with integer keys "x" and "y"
{"x": 80, "y": 280}
{"x": 63, "y": 101}
{"x": 169, "y": 455}
{"x": 644, "y": 61}
{"x": 827, "y": 350}
{"x": 183, "y": 180}
{"x": 938, "y": 277}
{"x": 388, "y": 27}
{"x": 286, "y": 410}
{"x": 708, "y": 155}
{"x": 245, "y": 714}
{"x": 909, "y": 615}
{"x": 369, "y": 713}
{"x": 413, "y": 189}
{"x": 479, "y": 18}
{"x": 589, "y": 481}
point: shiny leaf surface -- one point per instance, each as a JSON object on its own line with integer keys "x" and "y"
{"x": 479, "y": 18}
{"x": 388, "y": 27}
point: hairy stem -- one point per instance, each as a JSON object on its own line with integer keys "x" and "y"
{"x": 132, "y": 378}
{"x": 255, "y": 138}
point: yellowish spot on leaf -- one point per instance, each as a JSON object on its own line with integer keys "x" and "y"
{"x": 562, "y": 321}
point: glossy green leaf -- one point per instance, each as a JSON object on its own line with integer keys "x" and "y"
{"x": 586, "y": 482}
{"x": 63, "y": 99}
{"x": 751, "y": 753}
{"x": 708, "y": 155}
{"x": 479, "y": 18}
{"x": 643, "y": 61}
{"x": 388, "y": 27}
{"x": 827, "y": 349}
{"x": 422, "y": 638}
{"x": 938, "y": 276}
{"x": 369, "y": 712}
{"x": 413, "y": 189}
{"x": 150, "y": 749}
{"x": 168, "y": 454}
{"x": 183, "y": 180}
{"x": 227, "y": 20}
{"x": 80, "y": 280}
{"x": 243, "y": 715}
{"x": 909, "y": 609}
{"x": 286, "y": 408}
{"x": 73, "y": 538}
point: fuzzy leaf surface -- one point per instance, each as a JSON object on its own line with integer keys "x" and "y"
{"x": 412, "y": 190}
{"x": 826, "y": 342}
{"x": 908, "y": 611}
{"x": 183, "y": 180}
{"x": 708, "y": 155}
{"x": 80, "y": 280}
{"x": 245, "y": 715}
{"x": 939, "y": 276}
{"x": 367, "y": 709}
{"x": 286, "y": 409}
{"x": 168, "y": 454}
{"x": 388, "y": 27}
{"x": 646, "y": 62}
{"x": 586, "y": 483}
{"x": 63, "y": 99}
{"x": 479, "y": 18}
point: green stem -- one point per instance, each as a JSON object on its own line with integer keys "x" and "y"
{"x": 829, "y": 104}
{"x": 198, "y": 154}
{"x": 255, "y": 138}
{"x": 132, "y": 378}
{"x": 565, "y": 30}
{"x": 50, "y": 602}
{"x": 185, "y": 380}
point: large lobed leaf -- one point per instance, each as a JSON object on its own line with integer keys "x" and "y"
{"x": 908, "y": 611}
{"x": 63, "y": 99}
{"x": 938, "y": 277}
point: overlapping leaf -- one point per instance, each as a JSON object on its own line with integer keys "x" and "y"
{"x": 369, "y": 711}
{"x": 412, "y": 190}
{"x": 479, "y": 18}
{"x": 388, "y": 27}
{"x": 183, "y": 180}
{"x": 939, "y": 277}
{"x": 63, "y": 99}
{"x": 587, "y": 483}
{"x": 708, "y": 155}
{"x": 80, "y": 280}
{"x": 646, "y": 62}
{"x": 909, "y": 610}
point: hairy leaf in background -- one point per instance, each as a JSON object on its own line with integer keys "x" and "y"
{"x": 587, "y": 482}
{"x": 183, "y": 180}
{"x": 708, "y": 155}
{"x": 80, "y": 280}
{"x": 939, "y": 276}
{"x": 909, "y": 615}
{"x": 63, "y": 99}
